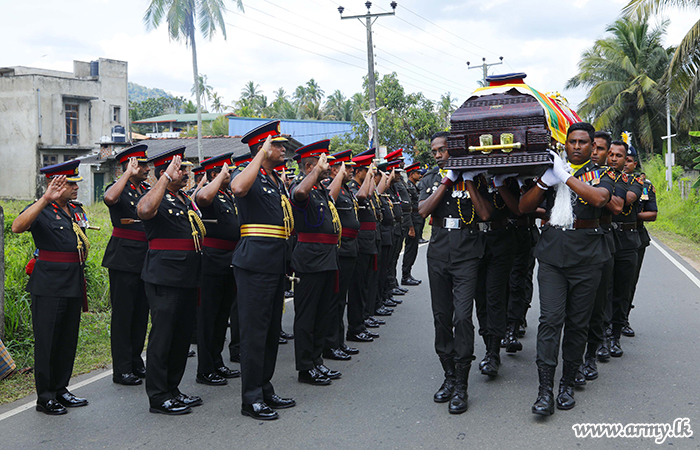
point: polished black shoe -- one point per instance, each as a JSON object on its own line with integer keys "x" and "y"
{"x": 228, "y": 373}
{"x": 189, "y": 400}
{"x": 580, "y": 378}
{"x": 389, "y": 303}
{"x": 276, "y": 402}
{"x": 521, "y": 331}
{"x": 603, "y": 352}
{"x": 544, "y": 405}
{"x": 288, "y": 294}
{"x": 371, "y": 324}
{"x": 627, "y": 331}
{"x": 211, "y": 379}
{"x": 51, "y": 407}
{"x": 513, "y": 345}
{"x": 313, "y": 377}
{"x": 444, "y": 394}
{"x": 259, "y": 411}
{"x": 349, "y": 350}
{"x": 282, "y": 340}
{"x": 503, "y": 343}
{"x": 288, "y": 336}
{"x": 398, "y": 301}
{"x": 565, "y": 399}
{"x": 410, "y": 281}
{"x": 71, "y": 401}
{"x": 377, "y": 321}
{"x": 371, "y": 334}
{"x": 590, "y": 368}
{"x": 362, "y": 337}
{"x": 235, "y": 358}
{"x": 329, "y": 373}
{"x": 397, "y": 291}
{"x": 404, "y": 290}
{"x": 383, "y": 311}
{"x": 170, "y": 407}
{"x": 336, "y": 354}
{"x": 141, "y": 373}
{"x": 191, "y": 354}
{"x": 127, "y": 379}
{"x": 615, "y": 349}
{"x": 423, "y": 241}
{"x": 491, "y": 364}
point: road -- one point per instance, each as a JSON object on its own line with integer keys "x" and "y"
{"x": 384, "y": 399}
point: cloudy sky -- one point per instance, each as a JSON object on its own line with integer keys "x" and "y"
{"x": 284, "y": 43}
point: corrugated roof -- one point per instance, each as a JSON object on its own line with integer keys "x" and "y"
{"x": 180, "y": 118}
{"x": 306, "y": 131}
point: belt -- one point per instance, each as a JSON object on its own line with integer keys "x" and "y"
{"x": 186, "y": 245}
{"x": 59, "y": 257}
{"x": 454, "y": 224}
{"x": 263, "y": 230}
{"x": 579, "y": 224}
{"x": 368, "y": 226}
{"x": 350, "y": 233}
{"x": 606, "y": 219}
{"x": 220, "y": 244}
{"x": 625, "y": 226}
{"x": 493, "y": 225}
{"x": 523, "y": 222}
{"x": 317, "y": 238}
{"x": 132, "y": 235}
{"x": 640, "y": 224}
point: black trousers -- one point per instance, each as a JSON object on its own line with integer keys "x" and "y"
{"x": 312, "y": 308}
{"x": 596, "y": 328}
{"x": 411, "y": 250}
{"x": 234, "y": 345}
{"x": 520, "y": 280}
{"x": 260, "y": 300}
{"x": 396, "y": 247}
{"x": 56, "y": 323}
{"x": 640, "y": 260}
{"x": 173, "y": 316}
{"x": 336, "y": 329}
{"x": 492, "y": 293}
{"x": 216, "y": 297}
{"x": 361, "y": 292}
{"x": 567, "y": 296}
{"x": 452, "y": 291}
{"x": 624, "y": 269}
{"x": 383, "y": 260}
{"x": 129, "y": 320}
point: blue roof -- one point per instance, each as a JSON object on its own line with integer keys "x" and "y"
{"x": 304, "y": 131}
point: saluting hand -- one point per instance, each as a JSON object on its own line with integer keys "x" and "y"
{"x": 56, "y": 188}
{"x": 267, "y": 148}
{"x": 132, "y": 167}
{"x": 323, "y": 165}
{"x": 224, "y": 171}
{"x": 173, "y": 169}
{"x": 342, "y": 171}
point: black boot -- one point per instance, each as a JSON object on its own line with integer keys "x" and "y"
{"x": 458, "y": 402}
{"x": 444, "y": 394}
{"x": 485, "y": 338}
{"x": 565, "y": 399}
{"x": 493, "y": 357}
{"x": 615, "y": 348}
{"x": 544, "y": 405}
{"x": 603, "y": 352}
{"x": 512, "y": 343}
{"x": 580, "y": 378}
{"x": 590, "y": 368}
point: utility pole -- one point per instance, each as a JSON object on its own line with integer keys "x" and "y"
{"x": 369, "y": 19}
{"x": 670, "y": 160}
{"x": 485, "y": 67}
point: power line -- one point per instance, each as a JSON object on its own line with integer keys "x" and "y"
{"x": 453, "y": 83}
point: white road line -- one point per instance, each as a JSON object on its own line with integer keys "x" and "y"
{"x": 675, "y": 262}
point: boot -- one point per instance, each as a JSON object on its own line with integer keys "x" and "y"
{"x": 512, "y": 343}
{"x": 485, "y": 338}
{"x": 493, "y": 357}
{"x": 565, "y": 399}
{"x": 544, "y": 405}
{"x": 444, "y": 394}
{"x": 458, "y": 402}
{"x": 590, "y": 368}
{"x": 603, "y": 352}
{"x": 580, "y": 378}
{"x": 615, "y": 348}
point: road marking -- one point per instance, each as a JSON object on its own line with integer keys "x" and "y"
{"x": 675, "y": 262}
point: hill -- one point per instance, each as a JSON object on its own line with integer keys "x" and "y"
{"x": 138, "y": 93}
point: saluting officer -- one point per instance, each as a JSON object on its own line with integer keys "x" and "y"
{"x": 124, "y": 258}
{"x": 259, "y": 266}
{"x": 401, "y": 196}
{"x": 171, "y": 273}
{"x": 415, "y": 231}
{"x": 398, "y": 232}
{"x": 56, "y": 284}
{"x": 390, "y": 232}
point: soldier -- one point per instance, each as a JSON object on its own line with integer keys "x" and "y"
{"x": 400, "y": 195}
{"x": 415, "y": 231}
{"x": 171, "y": 273}
{"x": 124, "y": 258}
{"x": 56, "y": 284}
{"x": 346, "y": 205}
{"x": 454, "y": 253}
{"x": 390, "y": 231}
{"x": 570, "y": 263}
{"x": 259, "y": 267}
{"x": 218, "y": 287}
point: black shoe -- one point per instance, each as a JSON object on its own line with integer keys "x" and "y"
{"x": 336, "y": 354}
{"x": 383, "y": 311}
{"x": 398, "y": 301}
{"x": 329, "y": 373}
{"x": 288, "y": 336}
{"x": 397, "y": 291}
{"x": 228, "y": 373}
{"x": 603, "y": 352}
{"x": 277, "y": 402}
{"x": 235, "y": 358}
{"x": 259, "y": 411}
{"x": 580, "y": 378}
{"x": 544, "y": 405}
{"x": 371, "y": 324}
{"x": 410, "y": 281}
{"x": 521, "y": 331}
{"x": 313, "y": 377}
{"x": 377, "y": 321}
{"x": 404, "y": 290}
{"x": 627, "y": 331}
{"x": 371, "y": 334}
{"x": 615, "y": 349}
{"x": 282, "y": 340}
{"x": 389, "y": 303}
{"x": 349, "y": 350}
{"x": 288, "y": 294}
{"x": 503, "y": 343}
{"x": 189, "y": 400}
{"x": 423, "y": 241}
{"x": 565, "y": 399}
{"x": 512, "y": 343}
{"x": 491, "y": 364}
{"x": 458, "y": 402}
{"x": 211, "y": 379}
{"x": 444, "y": 394}
{"x": 51, "y": 407}
{"x": 71, "y": 401}
{"x": 590, "y": 368}
{"x": 127, "y": 379}
{"x": 170, "y": 407}
{"x": 362, "y": 337}
{"x": 141, "y": 373}
{"x": 191, "y": 354}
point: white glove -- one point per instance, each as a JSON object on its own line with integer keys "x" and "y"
{"x": 452, "y": 175}
{"x": 499, "y": 180}
{"x": 469, "y": 175}
{"x": 522, "y": 179}
{"x": 549, "y": 178}
{"x": 559, "y": 168}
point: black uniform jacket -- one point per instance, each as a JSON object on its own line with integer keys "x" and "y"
{"x": 647, "y": 203}
{"x": 126, "y": 254}
{"x": 629, "y": 239}
{"x": 368, "y": 215}
{"x": 416, "y": 219}
{"x": 216, "y": 257}
{"x": 347, "y": 207}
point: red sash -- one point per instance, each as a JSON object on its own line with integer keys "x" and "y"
{"x": 172, "y": 244}
{"x": 133, "y": 235}
{"x": 319, "y": 238}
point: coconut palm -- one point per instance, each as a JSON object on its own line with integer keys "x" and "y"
{"x": 622, "y": 72}
{"x": 217, "y": 103}
{"x": 337, "y": 107}
{"x": 250, "y": 93}
{"x": 682, "y": 76}
{"x": 182, "y": 18}
{"x": 446, "y": 106}
{"x": 205, "y": 90}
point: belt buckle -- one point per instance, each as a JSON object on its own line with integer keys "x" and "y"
{"x": 484, "y": 226}
{"x": 616, "y": 226}
{"x": 450, "y": 223}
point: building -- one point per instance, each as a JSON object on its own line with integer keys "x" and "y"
{"x": 175, "y": 123}
{"x": 49, "y": 116}
{"x": 304, "y": 131}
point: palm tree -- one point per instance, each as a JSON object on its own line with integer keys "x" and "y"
{"x": 205, "y": 90}
{"x": 682, "y": 76}
{"x": 446, "y": 106}
{"x": 250, "y": 92}
{"x": 217, "y": 103}
{"x": 182, "y": 18}
{"x": 622, "y": 73}
{"x": 335, "y": 107}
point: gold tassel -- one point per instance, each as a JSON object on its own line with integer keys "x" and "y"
{"x": 288, "y": 216}
{"x": 337, "y": 226}
{"x": 83, "y": 242}
{"x": 196, "y": 222}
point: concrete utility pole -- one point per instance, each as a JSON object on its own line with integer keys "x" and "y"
{"x": 369, "y": 19}
{"x": 485, "y": 67}
{"x": 670, "y": 160}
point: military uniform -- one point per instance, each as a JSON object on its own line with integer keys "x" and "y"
{"x": 390, "y": 228}
{"x": 399, "y": 232}
{"x": 417, "y": 222}
{"x": 647, "y": 202}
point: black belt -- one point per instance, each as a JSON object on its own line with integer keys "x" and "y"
{"x": 523, "y": 222}
{"x": 453, "y": 223}
{"x": 625, "y": 226}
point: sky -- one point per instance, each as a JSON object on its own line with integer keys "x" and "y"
{"x": 284, "y": 43}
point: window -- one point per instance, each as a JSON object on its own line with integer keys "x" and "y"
{"x": 69, "y": 157}
{"x": 49, "y": 160}
{"x": 71, "y": 110}
{"x": 116, "y": 114}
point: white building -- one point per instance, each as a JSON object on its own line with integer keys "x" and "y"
{"x": 48, "y": 117}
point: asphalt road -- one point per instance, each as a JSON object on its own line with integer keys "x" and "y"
{"x": 384, "y": 399}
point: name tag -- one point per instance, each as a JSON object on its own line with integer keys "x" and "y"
{"x": 451, "y": 223}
